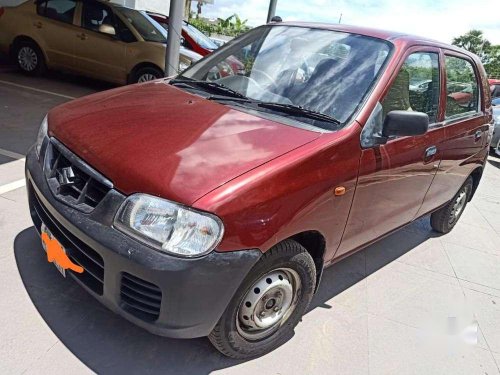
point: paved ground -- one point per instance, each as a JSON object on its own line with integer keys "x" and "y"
{"x": 406, "y": 305}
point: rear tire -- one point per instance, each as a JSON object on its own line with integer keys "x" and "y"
{"x": 29, "y": 57}
{"x": 445, "y": 218}
{"x": 269, "y": 304}
{"x": 145, "y": 74}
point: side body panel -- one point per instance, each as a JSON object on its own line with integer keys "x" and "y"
{"x": 290, "y": 195}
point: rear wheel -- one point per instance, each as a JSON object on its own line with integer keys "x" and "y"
{"x": 29, "y": 57}
{"x": 445, "y": 218}
{"x": 268, "y": 304}
{"x": 146, "y": 74}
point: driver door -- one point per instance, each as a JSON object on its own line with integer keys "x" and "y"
{"x": 97, "y": 54}
{"x": 395, "y": 177}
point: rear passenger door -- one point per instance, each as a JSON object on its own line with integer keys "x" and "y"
{"x": 54, "y": 25}
{"x": 466, "y": 126}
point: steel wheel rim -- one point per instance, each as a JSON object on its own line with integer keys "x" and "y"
{"x": 27, "y": 59}
{"x": 146, "y": 77}
{"x": 458, "y": 206}
{"x": 268, "y": 304}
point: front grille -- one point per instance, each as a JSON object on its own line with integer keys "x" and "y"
{"x": 77, "y": 250}
{"x": 72, "y": 180}
{"x": 140, "y": 297}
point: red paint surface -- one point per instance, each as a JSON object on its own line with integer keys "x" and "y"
{"x": 268, "y": 181}
{"x": 157, "y": 139}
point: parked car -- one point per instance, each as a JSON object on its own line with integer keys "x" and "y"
{"x": 199, "y": 207}
{"x": 495, "y": 141}
{"x": 94, "y": 38}
{"x": 194, "y": 40}
{"x": 495, "y": 91}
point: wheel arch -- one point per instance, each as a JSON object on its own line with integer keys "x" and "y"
{"x": 25, "y": 38}
{"x": 476, "y": 175}
{"x": 315, "y": 244}
{"x": 144, "y": 64}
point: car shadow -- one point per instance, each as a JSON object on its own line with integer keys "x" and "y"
{"x": 493, "y": 162}
{"x": 107, "y": 343}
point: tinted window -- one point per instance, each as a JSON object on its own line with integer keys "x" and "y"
{"x": 60, "y": 10}
{"x": 149, "y": 29}
{"x": 461, "y": 87}
{"x": 416, "y": 88}
{"x": 495, "y": 91}
{"x": 96, "y": 14}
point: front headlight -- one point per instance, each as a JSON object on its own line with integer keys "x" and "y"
{"x": 42, "y": 133}
{"x": 168, "y": 226}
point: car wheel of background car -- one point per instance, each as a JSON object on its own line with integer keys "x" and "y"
{"x": 269, "y": 303}
{"x": 29, "y": 58}
{"x": 445, "y": 218}
{"x": 146, "y": 74}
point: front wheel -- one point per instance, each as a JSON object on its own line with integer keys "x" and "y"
{"x": 269, "y": 303}
{"x": 444, "y": 219}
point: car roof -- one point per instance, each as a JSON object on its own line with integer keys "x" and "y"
{"x": 388, "y": 35}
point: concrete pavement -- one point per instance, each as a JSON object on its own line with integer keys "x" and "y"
{"x": 413, "y": 303}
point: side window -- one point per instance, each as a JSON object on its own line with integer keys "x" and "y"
{"x": 462, "y": 94}
{"x": 416, "y": 88}
{"x": 60, "y": 10}
{"x": 124, "y": 32}
{"x": 96, "y": 14}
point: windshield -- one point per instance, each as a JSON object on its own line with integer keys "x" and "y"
{"x": 324, "y": 71}
{"x": 149, "y": 29}
{"x": 200, "y": 38}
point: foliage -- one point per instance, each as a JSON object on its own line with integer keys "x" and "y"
{"x": 475, "y": 42}
{"x": 231, "y": 26}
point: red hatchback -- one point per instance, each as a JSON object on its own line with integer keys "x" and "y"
{"x": 209, "y": 206}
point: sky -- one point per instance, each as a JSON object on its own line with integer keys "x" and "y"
{"x": 437, "y": 19}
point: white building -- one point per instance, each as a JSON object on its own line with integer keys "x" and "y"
{"x": 160, "y": 6}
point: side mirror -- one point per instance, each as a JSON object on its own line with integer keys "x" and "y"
{"x": 107, "y": 29}
{"x": 404, "y": 123}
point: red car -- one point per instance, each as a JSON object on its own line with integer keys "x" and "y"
{"x": 194, "y": 39}
{"x": 205, "y": 206}
{"x": 198, "y": 42}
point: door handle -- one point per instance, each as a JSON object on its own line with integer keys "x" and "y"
{"x": 82, "y": 36}
{"x": 477, "y": 135}
{"x": 38, "y": 24}
{"x": 430, "y": 152}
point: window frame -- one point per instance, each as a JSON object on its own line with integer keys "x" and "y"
{"x": 469, "y": 114}
{"x": 44, "y": 4}
{"x": 107, "y": 7}
{"x": 439, "y": 121}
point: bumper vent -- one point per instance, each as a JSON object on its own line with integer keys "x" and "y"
{"x": 78, "y": 251}
{"x": 71, "y": 180}
{"x": 140, "y": 297}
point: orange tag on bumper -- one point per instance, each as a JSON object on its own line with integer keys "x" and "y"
{"x": 56, "y": 254}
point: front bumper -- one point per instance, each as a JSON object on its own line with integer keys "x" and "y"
{"x": 164, "y": 294}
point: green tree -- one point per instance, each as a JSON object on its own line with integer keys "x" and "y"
{"x": 473, "y": 41}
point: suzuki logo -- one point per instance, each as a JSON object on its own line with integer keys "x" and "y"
{"x": 66, "y": 176}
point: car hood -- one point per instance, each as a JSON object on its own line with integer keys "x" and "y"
{"x": 157, "y": 139}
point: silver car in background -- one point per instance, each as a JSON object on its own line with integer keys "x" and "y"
{"x": 495, "y": 141}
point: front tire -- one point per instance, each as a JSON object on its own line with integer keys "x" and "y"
{"x": 29, "y": 58}
{"x": 269, "y": 304}
{"x": 445, "y": 218}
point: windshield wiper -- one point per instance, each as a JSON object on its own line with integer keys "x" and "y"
{"x": 300, "y": 111}
{"x": 213, "y": 86}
